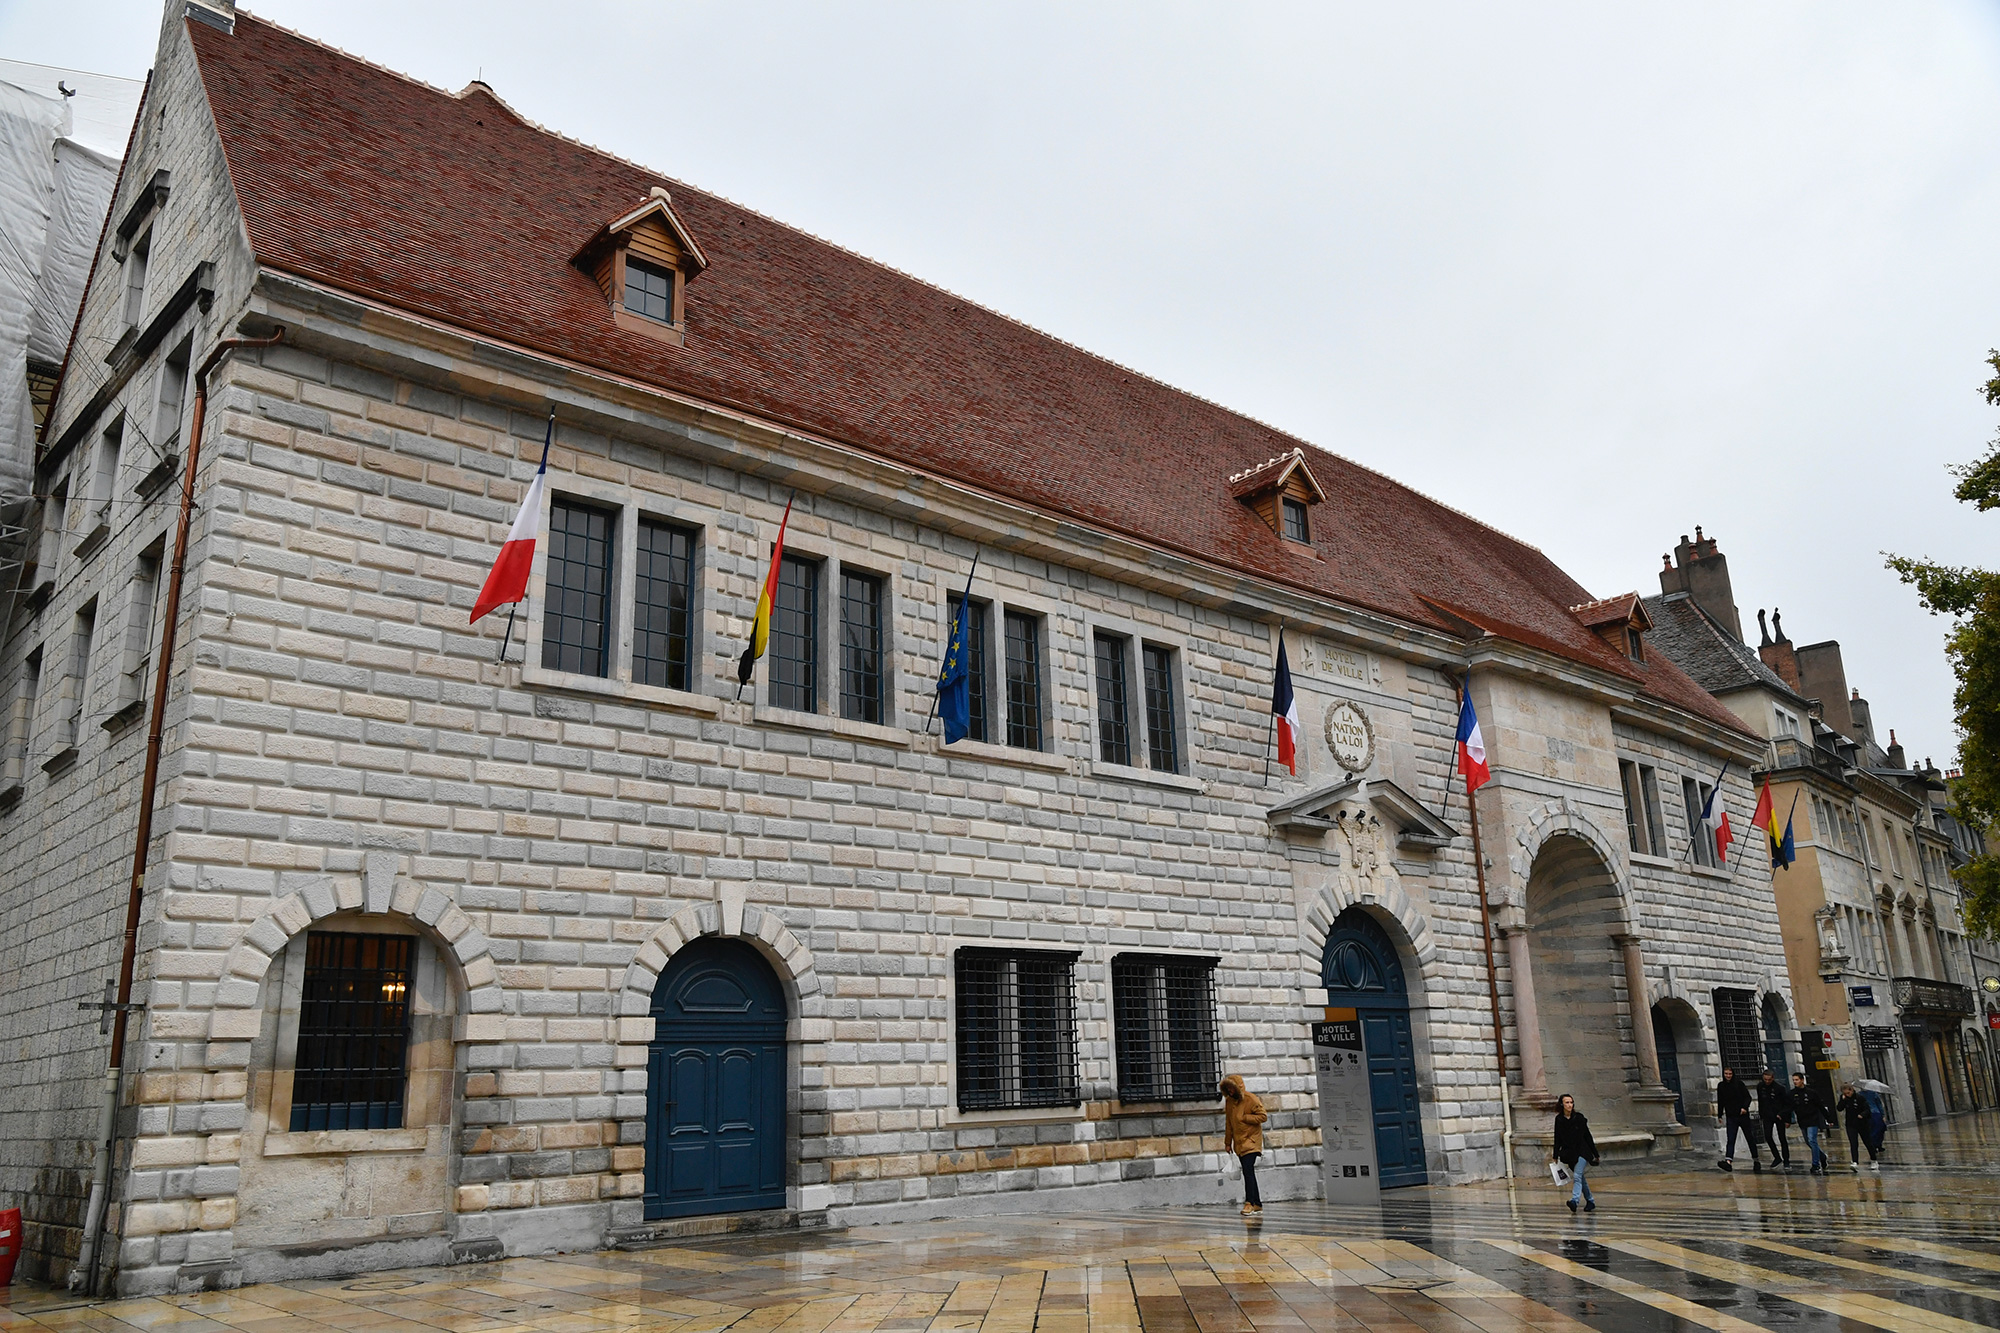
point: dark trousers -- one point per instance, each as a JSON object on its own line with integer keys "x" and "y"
{"x": 1740, "y": 1122}
{"x": 1855, "y": 1138}
{"x": 1774, "y": 1134}
{"x": 1250, "y": 1195}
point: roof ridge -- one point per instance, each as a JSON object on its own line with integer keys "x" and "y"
{"x": 1298, "y": 441}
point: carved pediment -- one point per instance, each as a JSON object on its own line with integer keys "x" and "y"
{"x": 1329, "y": 808}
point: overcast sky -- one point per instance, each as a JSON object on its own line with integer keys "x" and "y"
{"x": 1595, "y": 274}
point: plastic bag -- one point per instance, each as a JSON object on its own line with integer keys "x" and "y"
{"x": 1559, "y": 1173}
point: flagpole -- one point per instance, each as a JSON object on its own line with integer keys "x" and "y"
{"x": 1715, "y": 795}
{"x": 966, "y": 596}
{"x": 1492, "y": 974}
{"x": 508, "y": 636}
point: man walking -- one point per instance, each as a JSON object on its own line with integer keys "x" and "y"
{"x": 1774, "y": 1112}
{"x": 1814, "y": 1115}
{"x": 1732, "y": 1103}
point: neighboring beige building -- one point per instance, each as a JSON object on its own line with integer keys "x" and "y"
{"x": 1880, "y": 966}
{"x": 445, "y": 957}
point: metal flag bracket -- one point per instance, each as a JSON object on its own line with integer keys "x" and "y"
{"x": 109, "y": 1005}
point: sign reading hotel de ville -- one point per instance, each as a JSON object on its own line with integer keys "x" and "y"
{"x": 1346, "y": 1112}
{"x": 1350, "y": 736}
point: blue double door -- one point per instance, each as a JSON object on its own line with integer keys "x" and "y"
{"x": 715, "y": 1115}
{"x": 1360, "y": 971}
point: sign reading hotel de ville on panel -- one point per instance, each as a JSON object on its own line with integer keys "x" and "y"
{"x": 1346, "y": 1110}
{"x": 1317, "y": 657}
{"x": 1350, "y": 736}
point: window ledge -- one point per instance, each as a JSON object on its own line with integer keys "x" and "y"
{"x": 767, "y": 716}
{"x": 59, "y": 762}
{"x": 40, "y": 596}
{"x": 93, "y": 539}
{"x": 1712, "y": 872}
{"x": 1192, "y": 1106}
{"x": 1145, "y": 777}
{"x": 1033, "y": 1115}
{"x": 1655, "y": 862}
{"x": 339, "y": 1142}
{"x": 125, "y": 716}
{"x": 162, "y": 472}
{"x": 989, "y": 753}
{"x": 678, "y": 701}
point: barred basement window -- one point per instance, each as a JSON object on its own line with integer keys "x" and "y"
{"x": 1736, "y": 1032}
{"x": 662, "y": 595}
{"x": 576, "y": 626}
{"x": 794, "y": 642}
{"x": 1016, "y": 1030}
{"x": 1024, "y": 681}
{"x": 1114, "y": 731}
{"x": 1162, "y": 723}
{"x": 354, "y": 1032}
{"x": 860, "y": 647}
{"x": 1165, "y": 1012}
{"x": 976, "y": 672}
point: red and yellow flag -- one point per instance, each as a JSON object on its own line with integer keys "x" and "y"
{"x": 760, "y": 628}
{"x": 1766, "y": 818}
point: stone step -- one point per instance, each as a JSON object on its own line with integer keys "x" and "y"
{"x": 673, "y": 1230}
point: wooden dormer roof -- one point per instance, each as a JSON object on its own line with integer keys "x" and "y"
{"x": 656, "y": 215}
{"x": 1625, "y": 609}
{"x": 1278, "y": 474}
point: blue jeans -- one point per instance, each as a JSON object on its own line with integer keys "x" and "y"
{"x": 1812, "y": 1141}
{"x": 1579, "y": 1188}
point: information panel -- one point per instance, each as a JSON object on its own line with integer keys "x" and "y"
{"x": 1346, "y": 1113}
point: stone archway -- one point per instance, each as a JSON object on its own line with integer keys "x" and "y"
{"x": 1683, "y": 1052}
{"x": 1576, "y": 920}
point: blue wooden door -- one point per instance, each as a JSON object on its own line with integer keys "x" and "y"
{"x": 1360, "y": 971}
{"x": 1670, "y": 1061}
{"x": 715, "y": 1088}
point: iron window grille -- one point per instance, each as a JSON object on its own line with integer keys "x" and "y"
{"x": 354, "y": 1032}
{"x": 1296, "y": 525}
{"x": 663, "y": 597}
{"x": 974, "y": 649}
{"x": 1162, "y": 724}
{"x": 794, "y": 642}
{"x": 1024, "y": 681}
{"x": 860, "y": 647}
{"x": 1016, "y": 1030}
{"x": 1114, "y": 731}
{"x": 576, "y": 626}
{"x": 649, "y": 290}
{"x": 1736, "y": 1032}
{"x": 1164, "y": 1009}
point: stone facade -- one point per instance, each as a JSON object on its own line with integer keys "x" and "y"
{"x": 343, "y": 752}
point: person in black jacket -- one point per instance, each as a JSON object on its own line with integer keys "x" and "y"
{"x": 1774, "y": 1112}
{"x": 1814, "y": 1115}
{"x": 1573, "y": 1148}
{"x": 1732, "y": 1103}
{"x": 1855, "y": 1114}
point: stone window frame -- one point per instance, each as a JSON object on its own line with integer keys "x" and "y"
{"x": 1085, "y": 1011}
{"x": 1134, "y": 637}
{"x": 835, "y": 554}
{"x": 1644, "y": 784}
{"x": 1210, "y": 964}
{"x": 632, "y": 507}
{"x": 432, "y": 1097}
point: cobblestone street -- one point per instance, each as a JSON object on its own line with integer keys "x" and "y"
{"x": 1915, "y": 1246}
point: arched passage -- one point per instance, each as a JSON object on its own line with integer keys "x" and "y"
{"x": 715, "y": 1088}
{"x": 1574, "y": 913}
{"x": 1683, "y": 1053}
{"x": 1361, "y": 971}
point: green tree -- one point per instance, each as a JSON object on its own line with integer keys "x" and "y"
{"x": 1971, "y": 597}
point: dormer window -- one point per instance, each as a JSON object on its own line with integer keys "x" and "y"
{"x": 1635, "y": 644}
{"x": 1281, "y": 491}
{"x": 1620, "y": 622}
{"x": 643, "y": 262}
{"x": 1296, "y": 528}
{"x": 649, "y": 290}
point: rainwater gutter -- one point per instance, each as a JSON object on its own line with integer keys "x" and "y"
{"x": 85, "y": 1273}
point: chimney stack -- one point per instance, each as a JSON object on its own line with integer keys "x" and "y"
{"x": 1857, "y": 713}
{"x": 1896, "y": 759}
{"x": 1702, "y": 572}
{"x": 1776, "y": 652}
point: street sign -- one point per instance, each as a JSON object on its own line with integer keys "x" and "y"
{"x": 1826, "y": 1064}
{"x": 1877, "y": 1039}
{"x": 1863, "y": 997}
{"x": 1346, "y": 1110}
{"x": 1993, "y": 1020}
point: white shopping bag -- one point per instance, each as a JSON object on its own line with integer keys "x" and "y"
{"x": 1559, "y": 1173}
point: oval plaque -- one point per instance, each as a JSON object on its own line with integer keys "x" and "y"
{"x": 1350, "y": 737}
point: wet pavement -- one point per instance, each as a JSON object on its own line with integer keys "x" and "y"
{"x": 1915, "y": 1246}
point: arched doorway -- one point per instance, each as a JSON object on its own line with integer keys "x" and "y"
{"x": 715, "y": 1089}
{"x": 1574, "y": 914}
{"x": 1774, "y": 1040}
{"x": 1360, "y": 971}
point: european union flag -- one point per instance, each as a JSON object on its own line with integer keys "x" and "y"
{"x": 954, "y": 687}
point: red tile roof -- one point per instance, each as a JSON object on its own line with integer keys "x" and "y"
{"x": 453, "y": 207}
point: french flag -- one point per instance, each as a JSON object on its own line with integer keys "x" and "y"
{"x": 1471, "y": 745}
{"x": 1285, "y": 707}
{"x": 508, "y": 581}
{"x": 1715, "y": 819}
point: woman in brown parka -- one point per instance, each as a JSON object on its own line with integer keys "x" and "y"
{"x": 1243, "y": 1134}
